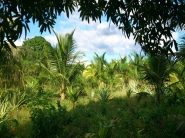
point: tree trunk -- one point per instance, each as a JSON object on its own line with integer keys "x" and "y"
{"x": 158, "y": 94}
{"x": 62, "y": 96}
{"x": 62, "y": 92}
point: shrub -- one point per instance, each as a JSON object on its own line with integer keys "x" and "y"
{"x": 104, "y": 95}
{"x": 48, "y": 121}
{"x": 73, "y": 95}
{"x": 8, "y": 128}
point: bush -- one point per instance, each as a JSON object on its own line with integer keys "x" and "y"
{"x": 104, "y": 95}
{"x": 73, "y": 95}
{"x": 48, "y": 121}
{"x": 8, "y": 128}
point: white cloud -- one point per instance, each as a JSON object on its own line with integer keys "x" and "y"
{"x": 93, "y": 37}
{"x": 19, "y": 42}
{"x": 96, "y": 37}
{"x": 52, "y": 39}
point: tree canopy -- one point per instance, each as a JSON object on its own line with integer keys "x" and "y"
{"x": 151, "y": 22}
{"x": 36, "y": 48}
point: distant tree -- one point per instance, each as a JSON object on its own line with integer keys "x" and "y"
{"x": 10, "y": 70}
{"x": 35, "y": 54}
{"x": 111, "y": 76}
{"x": 95, "y": 72}
{"x": 149, "y": 21}
{"x": 36, "y": 49}
{"x": 124, "y": 71}
{"x": 136, "y": 60}
{"x": 99, "y": 65}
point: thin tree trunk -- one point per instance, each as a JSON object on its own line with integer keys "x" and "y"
{"x": 158, "y": 94}
{"x": 62, "y": 91}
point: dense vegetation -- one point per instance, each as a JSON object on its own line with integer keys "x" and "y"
{"x": 47, "y": 91}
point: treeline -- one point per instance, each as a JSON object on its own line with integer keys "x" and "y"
{"x": 42, "y": 67}
{"x": 38, "y": 74}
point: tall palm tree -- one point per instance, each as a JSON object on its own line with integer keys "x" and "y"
{"x": 63, "y": 61}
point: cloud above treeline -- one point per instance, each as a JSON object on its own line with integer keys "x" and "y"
{"x": 93, "y": 37}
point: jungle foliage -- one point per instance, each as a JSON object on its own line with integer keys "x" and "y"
{"x": 47, "y": 91}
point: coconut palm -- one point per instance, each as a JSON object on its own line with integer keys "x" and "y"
{"x": 63, "y": 62}
{"x": 181, "y": 65}
{"x": 111, "y": 74}
{"x": 136, "y": 60}
{"x": 73, "y": 95}
{"x": 123, "y": 68}
{"x": 99, "y": 64}
{"x": 96, "y": 71}
{"x": 157, "y": 72}
{"x": 177, "y": 78}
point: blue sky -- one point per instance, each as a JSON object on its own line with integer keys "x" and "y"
{"x": 90, "y": 37}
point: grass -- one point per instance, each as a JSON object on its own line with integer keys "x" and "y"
{"x": 24, "y": 125}
{"x": 119, "y": 117}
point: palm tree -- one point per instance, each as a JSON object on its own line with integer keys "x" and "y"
{"x": 122, "y": 72}
{"x": 181, "y": 57}
{"x": 157, "y": 72}
{"x": 136, "y": 60}
{"x": 110, "y": 73}
{"x": 96, "y": 70}
{"x": 63, "y": 61}
{"x": 177, "y": 78}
